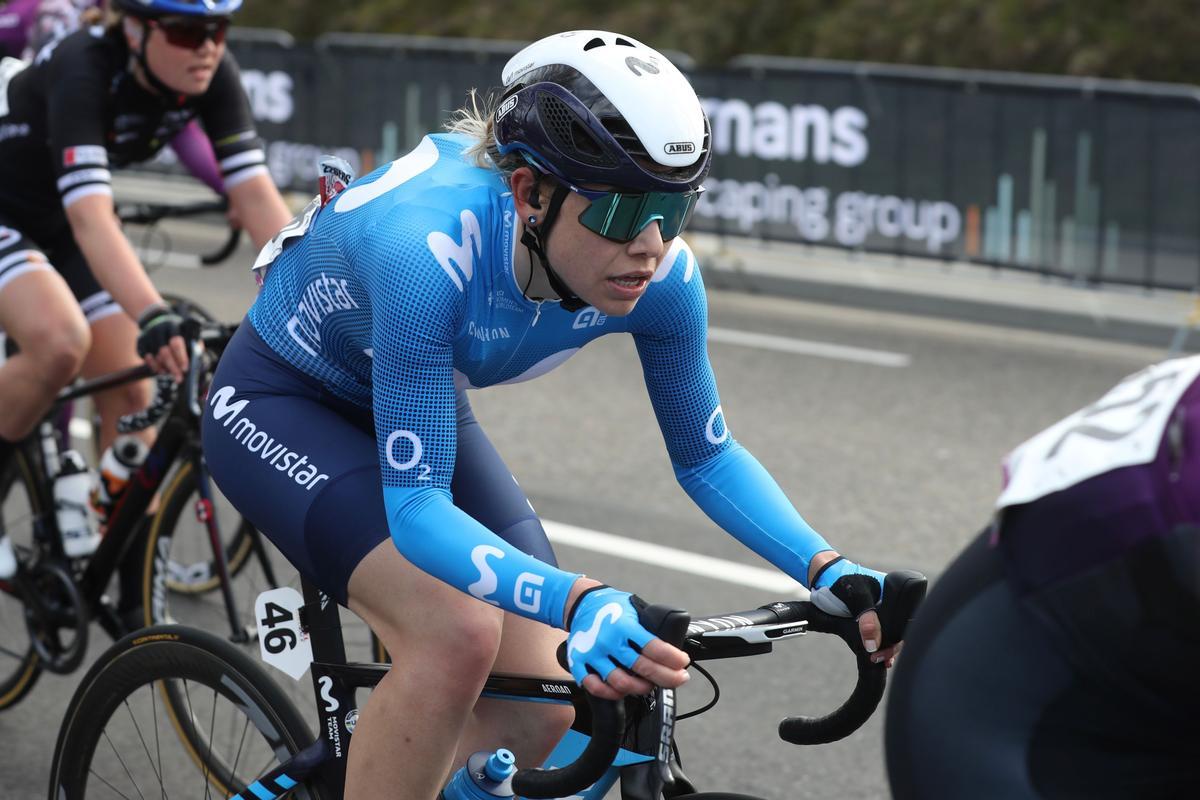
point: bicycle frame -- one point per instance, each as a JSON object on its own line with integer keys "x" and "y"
{"x": 336, "y": 683}
{"x": 177, "y": 441}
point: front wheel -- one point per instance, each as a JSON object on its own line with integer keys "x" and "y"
{"x": 175, "y": 712}
{"x": 22, "y": 508}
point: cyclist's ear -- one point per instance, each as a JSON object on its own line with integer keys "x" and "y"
{"x": 135, "y": 31}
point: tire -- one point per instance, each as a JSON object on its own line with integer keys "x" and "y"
{"x": 179, "y": 302}
{"x": 118, "y": 738}
{"x": 174, "y": 526}
{"x": 22, "y": 504}
{"x": 180, "y": 586}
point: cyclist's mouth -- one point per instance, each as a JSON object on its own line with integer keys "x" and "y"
{"x": 632, "y": 282}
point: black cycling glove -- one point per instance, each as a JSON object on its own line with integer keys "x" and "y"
{"x": 157, "y": 325}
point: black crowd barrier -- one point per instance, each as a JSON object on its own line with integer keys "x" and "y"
{"x": 1093, "y": 179}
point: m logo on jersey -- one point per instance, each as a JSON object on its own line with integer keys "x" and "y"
{"x": 455, "y": 257}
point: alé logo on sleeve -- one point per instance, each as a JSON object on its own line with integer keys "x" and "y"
{"x": 527, "y": 589}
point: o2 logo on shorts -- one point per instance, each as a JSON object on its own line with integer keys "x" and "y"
{"x": 414, "y": 459}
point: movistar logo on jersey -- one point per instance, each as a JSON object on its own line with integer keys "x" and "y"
{"x": 322, "y": 297}
{"x": 458, "y": 257}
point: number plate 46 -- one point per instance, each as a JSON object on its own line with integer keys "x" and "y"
{"x": 280, "y": 641}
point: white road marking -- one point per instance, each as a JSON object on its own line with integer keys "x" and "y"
{"x": 768, "y": 580}
{"x": 782, "y": 344}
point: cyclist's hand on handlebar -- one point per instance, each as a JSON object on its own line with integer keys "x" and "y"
{"x": 845, "y": 589}
{"x": 611, "y": 654}
{"x": 160, "y": 343}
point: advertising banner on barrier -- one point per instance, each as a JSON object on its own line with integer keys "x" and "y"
{"x": 1090, "y": 179}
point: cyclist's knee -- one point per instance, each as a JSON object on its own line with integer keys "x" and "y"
{"x": 58, "y": 350}
{"x": 467, "y": 639}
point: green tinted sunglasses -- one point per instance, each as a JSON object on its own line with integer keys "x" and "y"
{"x": 621, "y": 216}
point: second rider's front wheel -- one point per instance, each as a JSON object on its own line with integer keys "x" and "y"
{"x": 225, "y": 727}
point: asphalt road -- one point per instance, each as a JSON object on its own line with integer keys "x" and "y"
{"x": 891, "y": 450}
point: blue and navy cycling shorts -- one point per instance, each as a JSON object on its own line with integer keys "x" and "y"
{"x": 302, "y": 466}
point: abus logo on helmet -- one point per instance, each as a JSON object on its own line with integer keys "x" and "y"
{"x": 675, "y": 148}
{"x": 507, "y": 106}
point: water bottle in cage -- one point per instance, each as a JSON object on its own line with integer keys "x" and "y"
{"x": 72, "y": 487}
{"x": 486, "y": 776}
{"x": 116, "y": 465}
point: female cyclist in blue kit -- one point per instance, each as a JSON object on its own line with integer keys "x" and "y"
{"x": 338, "y": 420}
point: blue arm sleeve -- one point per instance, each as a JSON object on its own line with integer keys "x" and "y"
{"x": 738, "y": 494}
{"x": 728, "y": 483}
{"x": 416, "y": 311}
{"x": 435, "y": 535}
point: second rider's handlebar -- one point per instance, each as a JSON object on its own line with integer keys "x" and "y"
{"x": 152, "y": 213}
{"x": 745, "y": 633}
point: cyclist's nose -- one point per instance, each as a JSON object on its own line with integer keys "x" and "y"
{"x": 649, "y": 241}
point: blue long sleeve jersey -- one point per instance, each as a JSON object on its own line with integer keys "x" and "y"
{"x": 401, "y": 290}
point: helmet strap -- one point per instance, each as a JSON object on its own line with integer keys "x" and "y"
{"x": 534, "y": 240}
{"x": 140, "y": 54}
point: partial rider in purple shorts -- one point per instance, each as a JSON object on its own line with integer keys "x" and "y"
{"x": 1057, "y": 656}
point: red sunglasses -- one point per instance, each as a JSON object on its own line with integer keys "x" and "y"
{"x": 192, "y": 35}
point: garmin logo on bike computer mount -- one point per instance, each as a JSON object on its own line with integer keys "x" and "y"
{"x": 259, "y": 442}
{"x": 677, "y": 148}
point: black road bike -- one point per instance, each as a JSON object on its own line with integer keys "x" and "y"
{"x": 133, "y": 579}
{"x": 242, "y": 738}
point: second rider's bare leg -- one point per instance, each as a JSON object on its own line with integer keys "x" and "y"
{"x": 423, "y": 715}
{"x": 114, "y": 347}
{"x": 38, "y": 311}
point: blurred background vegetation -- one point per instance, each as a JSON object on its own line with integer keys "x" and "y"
{"x": 1154, "y": 40}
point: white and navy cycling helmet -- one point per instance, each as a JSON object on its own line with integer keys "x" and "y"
{"x": 599, "y": 107}
{"x": 187, "y": 8}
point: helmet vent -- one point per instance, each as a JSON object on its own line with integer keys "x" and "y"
{"x": 568, "y": 135}
{"x": 594, "y": 43}
{"x": 625, "y": 42}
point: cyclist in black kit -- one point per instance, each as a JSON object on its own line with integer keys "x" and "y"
{"x": 108, "y": 97}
